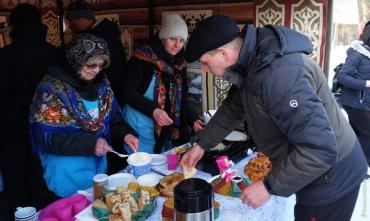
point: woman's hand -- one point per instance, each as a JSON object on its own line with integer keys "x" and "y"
{"x": 198, "y": 125}
{"x": 132, "y": 142}
{"x": 161, "y": 117}
{"x": 101, "y": 147}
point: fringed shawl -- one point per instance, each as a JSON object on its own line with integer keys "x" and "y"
{"x": 57, "y": 107}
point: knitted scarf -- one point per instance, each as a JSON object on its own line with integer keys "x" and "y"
{"x": 168, "y": 89}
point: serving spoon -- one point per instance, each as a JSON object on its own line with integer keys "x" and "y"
{"x": 119, "y": 154}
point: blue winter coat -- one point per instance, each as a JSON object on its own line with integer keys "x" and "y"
{"x": 353, "y": 76}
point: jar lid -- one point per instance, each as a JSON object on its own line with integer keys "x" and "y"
{"x": 100, "y": 177}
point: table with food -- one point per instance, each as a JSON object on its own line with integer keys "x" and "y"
{"x": 153, "y": 188}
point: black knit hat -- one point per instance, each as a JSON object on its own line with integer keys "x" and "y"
{"x": 79, "y": 9}
{"x": 210, "y": 34}
{"x": 24, "y": 14}
{"x": 84, "y": 47}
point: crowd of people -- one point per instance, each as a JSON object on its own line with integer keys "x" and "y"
{"x": 67, "y": 108}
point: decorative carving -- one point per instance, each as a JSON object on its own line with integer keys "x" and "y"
{"x": 51, "y": 21}
{"x": 307, "y": 18}
{"x": 191, "y": 17}
{"x": 4, "y": 32}
{"x": 127, "y": 39}
{"x": 111, "y": 17}
{"x": 270, "y": 12}
{"x": 48, "y": 3}
{"x": 222, "y": 88}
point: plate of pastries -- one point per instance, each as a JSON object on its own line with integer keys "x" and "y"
{"x": 131, "y": 203}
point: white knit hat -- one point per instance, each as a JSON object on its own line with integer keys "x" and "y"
{"x": 173, "y": 26}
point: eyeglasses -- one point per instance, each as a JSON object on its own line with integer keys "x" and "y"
{"x": 94, "y": 66}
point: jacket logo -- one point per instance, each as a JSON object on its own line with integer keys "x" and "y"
{"x": 293, "y": 103}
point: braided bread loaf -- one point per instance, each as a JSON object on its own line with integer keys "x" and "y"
{"x": 258, "y": 168}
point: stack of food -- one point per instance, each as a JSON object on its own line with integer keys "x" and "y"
{"x": 168, "y": 183}
{"x": 130, "y": 203}
{"x": 258, "y": 168}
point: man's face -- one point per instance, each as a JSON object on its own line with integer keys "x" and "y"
{"x": 214, "y": 62}
{"x": 80, "y": 24}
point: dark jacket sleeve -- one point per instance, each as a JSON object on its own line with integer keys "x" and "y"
{"x": 228, "y": 116}
{"x": 135, "y": 82}
{"x": 347, "y": 74}
{"x": 119, "y": 128}
{"x": 289, "y": 95}
{"x": 72, "y": 144}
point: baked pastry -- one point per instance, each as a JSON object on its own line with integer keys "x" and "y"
{"x": 168, "y": 183}
{"x": 223, "y": 188}
{"x": 258, "y": 168}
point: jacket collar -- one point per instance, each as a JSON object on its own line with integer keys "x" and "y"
{"x": 361, "y": 48}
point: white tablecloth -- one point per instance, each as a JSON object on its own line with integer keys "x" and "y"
{"x": 277, "y": 208}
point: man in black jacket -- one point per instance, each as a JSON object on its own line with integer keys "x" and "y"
{"x": 291, "y": 116}
{"x": 23, "y": 64}
{"x": 81, "y": 18}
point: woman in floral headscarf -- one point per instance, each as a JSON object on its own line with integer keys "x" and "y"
{"x": 74, "y": 116}
{"x": 156, "y": 89}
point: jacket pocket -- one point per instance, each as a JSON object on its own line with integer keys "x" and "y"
{"x": 362, "y": 96}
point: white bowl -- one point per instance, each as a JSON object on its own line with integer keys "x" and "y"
{"x": 120, "y": 179}
{"x": 139, "y": 159}
{"x": 149, "y": 179}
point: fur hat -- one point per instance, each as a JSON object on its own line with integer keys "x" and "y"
{"x": 211, "y": 33}
{"x": 173, "y": 26}
{"x": 79, "y": 9}
{"x": 84, "y": 47}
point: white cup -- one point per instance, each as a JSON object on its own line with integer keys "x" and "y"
{"x": 25, "y": 214}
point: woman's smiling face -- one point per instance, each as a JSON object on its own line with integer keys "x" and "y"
{"x": 173, "y": 45}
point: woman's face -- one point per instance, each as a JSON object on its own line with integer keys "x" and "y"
{"x": 173, "y": 45}
{"x": 90, "y": 70}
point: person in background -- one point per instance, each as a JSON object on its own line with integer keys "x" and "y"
{"x": 355, "y": 97}
{"x": 80, "y": 17}
{"x": 74, "y": 115}
{"x": 291, "y": 116}
{"x": 156, "y": 89}
{"x": 23, "y": 64}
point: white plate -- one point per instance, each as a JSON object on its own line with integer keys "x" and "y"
{"x": 120, "y": 179}
{"x": 149, "y": 179}
{"x": 158, "y": 159}
{"x": 236, "y": 136}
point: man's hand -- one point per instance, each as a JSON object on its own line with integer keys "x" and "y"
{"x": 198, "y": 125}
{"x": 132, "y": 142}
{"x": 161, "y": 117}
{"x": 255, "y": 195}
{"x": 191, "y": 158}
{"x": 101, "y": 147}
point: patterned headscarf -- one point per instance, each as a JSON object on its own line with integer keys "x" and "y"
{"x": 83, "y": 47}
